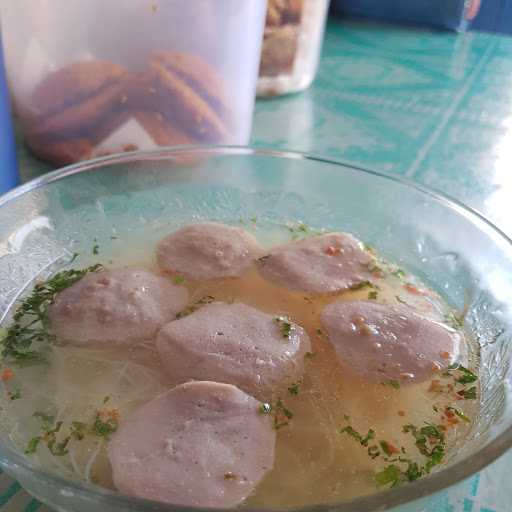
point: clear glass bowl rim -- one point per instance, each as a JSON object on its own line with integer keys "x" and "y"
{"x": 14, "y": 463}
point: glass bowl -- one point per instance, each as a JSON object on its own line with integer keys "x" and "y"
{"x": 451, "y": 247}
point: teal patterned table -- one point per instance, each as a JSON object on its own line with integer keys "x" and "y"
{"x": 432, "y": 107}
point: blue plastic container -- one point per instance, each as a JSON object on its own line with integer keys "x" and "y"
{"x": 8, "y": 167}
{"x": 447, "y": 14}
{"x": 495, "y": 16}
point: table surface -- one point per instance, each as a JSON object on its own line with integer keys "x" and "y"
{"x": 433, "y": 107}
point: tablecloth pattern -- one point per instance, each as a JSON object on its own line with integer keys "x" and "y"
{"x": 434, "y": 107}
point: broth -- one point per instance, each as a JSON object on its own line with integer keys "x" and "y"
{"x": 318, "y": 459}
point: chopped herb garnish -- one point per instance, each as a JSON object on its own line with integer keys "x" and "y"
{"x": 319, "y": 332}
{"x": 398, "y": 272}
{"x": 294, "y": 389}
{"x": 372, "y": 295}
{"x": 391, "y": 474}
{"x": 467, "y": 377}
{"x": 95, "y": 249}
{"x": 436, "y": 457}
{"x": 413, "y": 471}
{"x": 179, "y": 279}
{"x": 254, "y": 219}
{"x": 430, "y": 442}
{"x": 279, "y": 411}
{"x": 104, "y": 427}
{"x": 46, "y": 420}
{"x": 381, "y": 267}
{"x": 31, "y": 318}
{"x": 468, "y": 394}
{"x": 286, "y": 327}
{"x": 58, "y": 448}
{"x": 374, "y": 268}
{"x": 393, "y": 383}
{"x": 207, "y": 299}
{"x": 309, "y": 355}
{"x": 357, "y": 436}
{"x": 300, "y": 227}
{"x": 286, "y": 412}
{"x": 369, "y": 248}
{"x": 455, "y": 320}
{"x": 459, "y": 413}
{"x": 363, "y": 284}
{"x": 49, "y": 436}
{"x": 302, "y": 230}
{"x": 56, "y": 428}
{"x": 463, "y": 376}
{"x": 431, "y": 434}
{"x": 385, "y": 448}
{"x": 32, "y": 445}
{"x": 373, "y": 451}
{"x": 282, "y": 415}
{"x": 14, "y": 395}
{"x": 229, "y": 476}
{"x": 265, "y": 408}
{"x": 435, "y": 408}
{"x": 77, "y": 430}
{"x": 263, "y": 259}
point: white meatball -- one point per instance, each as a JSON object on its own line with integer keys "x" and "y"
{"x": 234, "y": 343}
{"x": 120, "y": 306}
{"x": 321, "y": 264}
{"x": 208, "y": 251}
{"x": 202, "y": 444}
{"x": 386, "y": 342}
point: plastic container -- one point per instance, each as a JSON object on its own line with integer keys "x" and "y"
{"x": 292, "y": 43}
{"x": 8, "y": 168}
{"x": 94, "y": 78}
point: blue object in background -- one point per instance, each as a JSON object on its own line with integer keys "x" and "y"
{"x": 448, "y": 14}
{"x": 494, "y": 16}
{"x": 8, "y": 167}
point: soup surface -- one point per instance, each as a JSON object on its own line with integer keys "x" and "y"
{"x": 339, "y": 434}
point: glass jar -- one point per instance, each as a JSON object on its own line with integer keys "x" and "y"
{"x": 292, "y": 44}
